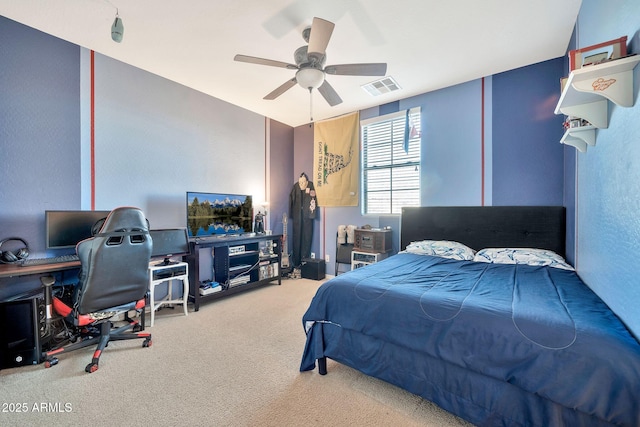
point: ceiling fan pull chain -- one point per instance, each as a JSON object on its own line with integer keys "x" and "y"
{"x": 311, "y": 104}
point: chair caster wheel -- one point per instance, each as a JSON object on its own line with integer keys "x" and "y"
{"x": 137, "y": 328}
{"x": 51, "y": 362}
{"x": 91, "y": 367}
{"x": 147, "y": 343}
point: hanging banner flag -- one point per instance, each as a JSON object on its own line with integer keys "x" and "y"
{"x": 336, "y": 161}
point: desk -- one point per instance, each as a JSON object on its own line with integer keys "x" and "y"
{"x": 161, "y": 273}
{"x": 15, "y": 270}
{"x": 17, "y": 281}
{"x": 8, "y": 271}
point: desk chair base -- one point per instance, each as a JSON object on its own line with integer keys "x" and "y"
{"x": 99, "y": 335}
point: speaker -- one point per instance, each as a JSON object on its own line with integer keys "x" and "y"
{"x": 313, "y": 268}
{"x": 10, "y": 257}
{"x": 22, "y": 328}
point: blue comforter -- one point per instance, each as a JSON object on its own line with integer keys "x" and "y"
{"x": 538, "y": 328}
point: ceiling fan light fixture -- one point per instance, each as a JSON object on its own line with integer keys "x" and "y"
{"x": 309, "y": 63}
{"x": 310, "y": 78}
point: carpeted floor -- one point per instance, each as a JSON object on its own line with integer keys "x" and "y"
{"x": 233, "y": 363}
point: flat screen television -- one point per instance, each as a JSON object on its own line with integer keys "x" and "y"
{"x": 169, "y": 242}
{"x": 64, "y": 229}
{"x": 218, "y": 214}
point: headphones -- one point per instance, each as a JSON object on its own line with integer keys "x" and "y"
{"x": 8, "y": 257}
{"x": 95, "y": 229}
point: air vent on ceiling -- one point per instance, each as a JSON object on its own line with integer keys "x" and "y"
{"x": 384, "y": 85}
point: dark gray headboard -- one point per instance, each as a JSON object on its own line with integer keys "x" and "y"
{"x": 487, "y": 226}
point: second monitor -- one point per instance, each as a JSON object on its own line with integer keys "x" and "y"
{"x": 64, "y": 229}
{"x": 169, "y": 242}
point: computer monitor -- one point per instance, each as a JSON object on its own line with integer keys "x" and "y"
{"x": 169, "y": 242}
{"x": 64, "y": 229}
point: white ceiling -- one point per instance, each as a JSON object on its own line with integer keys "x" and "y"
{"x": 427, "y": 44}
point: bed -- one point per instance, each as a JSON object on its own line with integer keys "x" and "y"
{"x": 498, "y": 344}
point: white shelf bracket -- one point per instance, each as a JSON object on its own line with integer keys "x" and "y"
{"x": 580, "y": 138}
{"x": 595, "y": 112}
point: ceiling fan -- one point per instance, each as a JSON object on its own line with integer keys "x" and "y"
{"x": 309, "y": 63}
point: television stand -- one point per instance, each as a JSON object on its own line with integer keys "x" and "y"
{"x": 232, "y": 265}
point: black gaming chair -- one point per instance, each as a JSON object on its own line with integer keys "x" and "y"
{"x": 113, "y": 280}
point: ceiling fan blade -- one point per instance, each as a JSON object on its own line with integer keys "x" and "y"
{"x": 321, "y": 31}
{"x": 281, "y": 89}
{"x": 376, "y": 69}
{"x": 328, "y": 92}
{"x": 262, "y": 61}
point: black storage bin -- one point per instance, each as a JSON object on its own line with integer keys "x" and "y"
{"x": 313, "y": 268}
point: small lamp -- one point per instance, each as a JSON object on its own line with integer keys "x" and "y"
{"x": 117, "y": 29}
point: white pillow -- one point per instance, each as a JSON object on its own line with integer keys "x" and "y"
{"x": 441, "y": 248}
{"x": 527, "y": 256}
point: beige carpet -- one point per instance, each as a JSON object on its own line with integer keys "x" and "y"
{"x": 233, "y": 363}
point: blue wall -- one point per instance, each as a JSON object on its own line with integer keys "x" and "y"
{"x": 154, "y": 139}
{"x": 39, "y": 130}
{"x": 608, "y": 177}
{"x": 451, "y": 172}
{"x": 522, "y": 159}
{"x": 281, "y": 171}
{"x": 528, "y": 158}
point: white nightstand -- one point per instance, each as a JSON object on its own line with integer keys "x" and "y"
{"x": 360, "y": 259}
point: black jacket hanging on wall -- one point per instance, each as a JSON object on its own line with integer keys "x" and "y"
{"x": 302, "y": 209}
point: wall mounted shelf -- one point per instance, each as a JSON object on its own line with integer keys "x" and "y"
{"x": 580, "y": 137}
{"x": 586, "y": 93}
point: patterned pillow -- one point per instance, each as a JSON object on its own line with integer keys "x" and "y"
{"x": 527, "y": 256}
{"x": 441, "y": 248}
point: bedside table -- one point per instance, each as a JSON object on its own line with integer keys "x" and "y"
{"x": 360, "y": 258}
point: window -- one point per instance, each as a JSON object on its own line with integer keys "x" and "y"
{"x": 391, "y": 162}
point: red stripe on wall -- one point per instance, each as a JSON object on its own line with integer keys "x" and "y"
{"x": 482, "y": 147}
{"x": 93, "y": 136}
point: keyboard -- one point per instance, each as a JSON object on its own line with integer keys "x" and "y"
{"x": 53, "y": 260}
